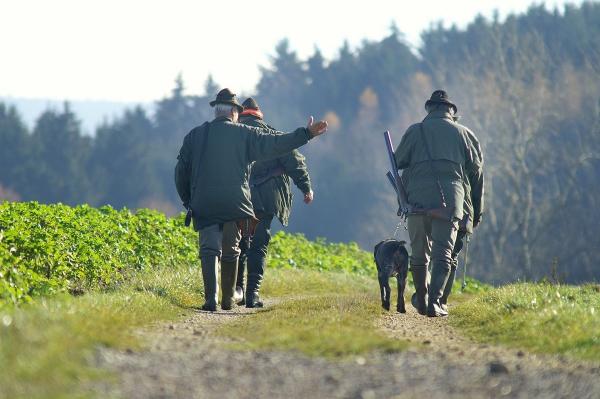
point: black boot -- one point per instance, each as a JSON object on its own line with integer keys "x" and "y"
{"x": 439, "y": 277}
{"x": 228, "y": 277}
{"x": 252, "y": 298}
{"x": 419, "y": 298}
{"x": 448, "y": 288}
{"x": 209, "y": 276}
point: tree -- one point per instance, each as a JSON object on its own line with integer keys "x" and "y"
{"x": 59, "y": 158}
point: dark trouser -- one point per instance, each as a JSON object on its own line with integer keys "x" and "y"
{"x": 458, "y": 246}
{"x": 255, "y": 255}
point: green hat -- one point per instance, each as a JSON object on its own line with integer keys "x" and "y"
{"x": 225, "y": 96}
{"x": 250, "y": 103}
{"x": 440, "y": 97}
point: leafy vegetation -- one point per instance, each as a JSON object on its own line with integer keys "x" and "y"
{"x": 541, "y": 317}
{"x": 295, "y": 251}
{"x": 46, "y": 249}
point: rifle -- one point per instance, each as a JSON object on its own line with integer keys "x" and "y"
{"x": 395, "y": 180}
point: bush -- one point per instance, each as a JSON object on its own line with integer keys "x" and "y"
{"x": 46, "y": 249}
{"x": 295, "y": 251}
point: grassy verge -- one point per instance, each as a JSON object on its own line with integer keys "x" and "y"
{"x": 46, "y": 346}
{"x": 539, "y": 317}
{"x": 321, "y": 314}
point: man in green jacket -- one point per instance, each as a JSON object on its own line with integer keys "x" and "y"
{"x": 437, "y": 156}
{"x": 211, "y": 177}
{"x": 271, "y": 196}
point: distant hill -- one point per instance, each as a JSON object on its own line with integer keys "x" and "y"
{"x": 90, "y": 112}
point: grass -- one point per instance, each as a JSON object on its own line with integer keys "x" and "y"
{"x": 46, "y": 347}
{"x": 325, "y": 314}
{"x": 543, "y": 318}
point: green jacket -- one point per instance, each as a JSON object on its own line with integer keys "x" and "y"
{"x": 453, "y": 157}
{"x": 213, "y": 166}
{"x": 270, "y": 180}
{"x": 474, "y": 183}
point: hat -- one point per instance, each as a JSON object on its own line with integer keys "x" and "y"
{"x": 225, "y": 96}
{"x": 440, "y": 97}
{"x": 250, "y": 103}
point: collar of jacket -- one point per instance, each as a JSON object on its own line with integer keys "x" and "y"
{"x": 439, "y": 115}
{"x": 222, "y": 119}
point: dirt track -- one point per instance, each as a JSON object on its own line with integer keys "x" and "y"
{"x": 186, "y": 360}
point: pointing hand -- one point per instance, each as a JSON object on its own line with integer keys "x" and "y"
{"x": 316, "y": 129}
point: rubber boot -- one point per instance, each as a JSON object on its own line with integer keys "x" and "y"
{"x": 228, "y": 277}
{"x": 448, "y": 288}
{"x": 252, "y": 298}
{"x": 210, "y": 266}
{"x": 419, "y": 298}
{"x": 439, "y": 278}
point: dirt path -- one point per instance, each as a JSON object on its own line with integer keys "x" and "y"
{"x": 186, "y": 360}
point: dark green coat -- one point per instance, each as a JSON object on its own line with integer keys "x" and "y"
{"x": 213, "y": 166}
{"x": 474, "y": 204}
{"x": 453, "y": 160}
{"x": 270, "y": 180}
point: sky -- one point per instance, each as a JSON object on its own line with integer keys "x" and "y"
{"x": 131, "y": 51}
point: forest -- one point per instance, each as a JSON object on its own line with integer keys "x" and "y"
{"x": 527, "y": 85}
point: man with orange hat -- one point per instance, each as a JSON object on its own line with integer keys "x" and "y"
{"x": 271, "y": 197}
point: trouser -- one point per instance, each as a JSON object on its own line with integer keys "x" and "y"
{"x": 254, "y": 255}
{"x": 220, "y": 241}
{"x": 458, "y": 246}
{"x": 432, "y": 241}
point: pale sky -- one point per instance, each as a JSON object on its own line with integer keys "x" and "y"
{"x": 131, "y": 51}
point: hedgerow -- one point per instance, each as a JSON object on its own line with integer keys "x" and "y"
{"x": 45, "y": 249}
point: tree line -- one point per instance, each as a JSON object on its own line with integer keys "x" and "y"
{"x": 527, "y": 85}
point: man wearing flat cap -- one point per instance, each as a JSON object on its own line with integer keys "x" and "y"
{"x": 211, "y": 177}
{"x": 271, "y": 197}
{"x": 442, "y": 169}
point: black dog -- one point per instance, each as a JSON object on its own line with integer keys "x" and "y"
{"x": 391, "y": 259}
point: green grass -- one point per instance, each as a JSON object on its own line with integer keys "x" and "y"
{"x": 46, "y": 346}
{"x": 539, "y": 317}
{"x": 321, "y": 314}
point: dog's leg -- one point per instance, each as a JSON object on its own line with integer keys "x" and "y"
{"x": 401, "y": 278}
{"x": 384, "y": 288}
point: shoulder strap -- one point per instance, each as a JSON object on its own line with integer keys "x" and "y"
{"x": 433, "y": 171}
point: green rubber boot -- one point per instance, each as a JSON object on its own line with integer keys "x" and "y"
{"x": 228, "y": 278}
{"x": 209, "y": 276}
{"x": 419, "y": 298}
{"x": 448, "y": 288}
{"x": 439, "y": 277}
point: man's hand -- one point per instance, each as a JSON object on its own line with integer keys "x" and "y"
{"x": 316, "y": 129}
{"x": 308, "y": 197}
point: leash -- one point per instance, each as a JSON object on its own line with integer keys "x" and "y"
{"x": 464, "y": 282}
{"x": 398, "y": 228}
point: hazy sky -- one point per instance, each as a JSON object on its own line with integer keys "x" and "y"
{"x": 129, "y": 50}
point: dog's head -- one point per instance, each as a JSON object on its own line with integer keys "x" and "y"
{"x": 391, "y": 259}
